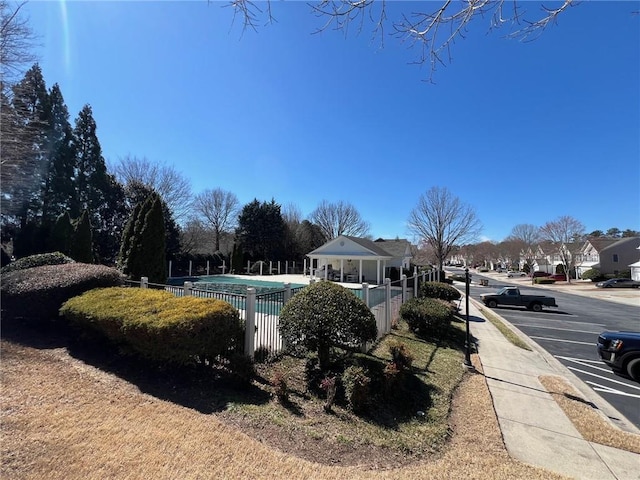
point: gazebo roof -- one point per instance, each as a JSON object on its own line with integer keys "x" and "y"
{"x": 350, "y": 247}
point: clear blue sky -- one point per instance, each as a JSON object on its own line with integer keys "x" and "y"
{"x": 523, "y": 132}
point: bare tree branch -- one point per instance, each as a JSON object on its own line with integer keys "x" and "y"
{"x": 218, "y": 210}
{"x": 342, "y": 218}
{"x": 171, "y": 185}
{"x": 443, "y": 221}
{"x": 16, "y": 42}
{"x": 563, "y": 233}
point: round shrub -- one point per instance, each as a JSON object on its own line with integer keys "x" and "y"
{"x": 38, "y": 292}
{"x": 55, "y": 258}
{"x": 593, "y": 274}
{"x": 325, "y": 315}
{"x": 427, "y": 316}
{"x": 439, "y": 290}
{"x": 158, "y": 325}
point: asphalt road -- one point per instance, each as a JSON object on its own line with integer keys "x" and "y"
{"x": 570, "y": 333}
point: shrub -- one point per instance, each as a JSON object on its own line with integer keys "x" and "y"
{"x": 38, "y": 292}
{"x": 242, "y": 367}
{"x": 329, "y": 386}
{"x": 325, "y": 315}
{"x": 55, "y": 258}
{"x": 544, "y": 280}
{"x": 400, "y": 356}
{"x": 157, "y": 325}
{"x": 593, "y": 274}
{"x": 427, "y": 316}
{"x": 356, "y": 387}
{"x": 280, "y": 387}
{"x": 439, "y": 290}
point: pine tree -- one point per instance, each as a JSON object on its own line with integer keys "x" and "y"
{"x": 82, "y": 245}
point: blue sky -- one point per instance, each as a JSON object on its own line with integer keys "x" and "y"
{"x": 523, "y": 132}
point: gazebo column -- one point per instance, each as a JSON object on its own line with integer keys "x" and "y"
{"x": 360, "y": 271}
{"x": 342, "y": 269}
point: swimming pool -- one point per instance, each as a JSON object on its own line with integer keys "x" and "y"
{"x": 230, "y": 284}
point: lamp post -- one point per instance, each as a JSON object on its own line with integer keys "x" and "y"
{"x": 467, "y": 342}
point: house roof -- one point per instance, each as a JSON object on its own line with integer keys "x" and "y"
{"x": 599, "y": 243}
{"x": 621, "y": 242}
{"x": 398, "y": 247}
{"x": 334, "y": 248}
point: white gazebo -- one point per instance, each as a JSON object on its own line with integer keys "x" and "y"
{"x": 350, "y": 259}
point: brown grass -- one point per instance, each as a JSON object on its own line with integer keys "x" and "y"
{"x": 591, "y": 425}
{"x": 64, "y": 419}
{"x": 506, "y": 331}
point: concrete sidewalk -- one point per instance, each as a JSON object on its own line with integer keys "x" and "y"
{"x": 534, "y": 427}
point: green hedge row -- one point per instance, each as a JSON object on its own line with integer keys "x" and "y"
{"x": 439, "y": 290}
{"x": 158, "y": 325}
{"x": 427, "y": 317}
{"x": 39, "y": 260}
{"x": 38, "y": 292}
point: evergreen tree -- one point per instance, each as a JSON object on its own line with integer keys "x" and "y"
{"x": 82, "y": 245}
{"x": 58, "y": 186}
{"x": 24, "y": 143}
{"x": 62, "y": 235}
{"x": 261, "y": 231}
{"x": 128, "y": 239}
{"x": 146, "y": 256}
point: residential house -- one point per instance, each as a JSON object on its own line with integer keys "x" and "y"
{"x": 635, "y": 268}
{"x": 609, "y": 255}
{"x": 617, "y": 258}
{"x": 354, "y": 259}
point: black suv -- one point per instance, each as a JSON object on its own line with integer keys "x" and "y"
{"x": 621, "y": 351}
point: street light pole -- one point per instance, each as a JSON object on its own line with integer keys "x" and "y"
{"x": 467, "y": 343}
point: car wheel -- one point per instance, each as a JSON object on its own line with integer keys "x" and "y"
{"x": 492, "y": 304}
{"x": 633, "y": 369}
{"x": 536, "y": 307}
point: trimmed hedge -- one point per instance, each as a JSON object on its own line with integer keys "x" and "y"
{"x": 38, "y": 292}
{"x": 324, "y": 315}
{"x": 439, "y": 290}
{"x": 427, "y": 317}
{"x": 544, "y": 281}
{"x": 157, "y": 325}
{"x": 55, "y": 258}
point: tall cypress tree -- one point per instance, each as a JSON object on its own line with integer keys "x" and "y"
{"x": 82, "y": 245}
{"x": 128, "y": 239}
{"x": 62, "y": 235}
{"x": 58, "y": 192}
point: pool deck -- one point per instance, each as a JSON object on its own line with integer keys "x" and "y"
{"x": 297, "y": 279}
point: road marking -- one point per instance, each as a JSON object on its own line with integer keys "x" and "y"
{"x": 556, "y": 328}
{"x": 602, "y": 388}
{"x": 585, "y": 363}
{"x": 604, "y": 378}
{"x": 564, "y": 341}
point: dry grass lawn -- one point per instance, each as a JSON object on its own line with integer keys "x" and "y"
{"x": 64, "y": 419}
{"x": 591, "y": 425}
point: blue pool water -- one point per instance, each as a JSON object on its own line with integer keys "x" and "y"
{"x": 228, "y": 284}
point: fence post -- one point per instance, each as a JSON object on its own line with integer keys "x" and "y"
{"x": 248, "y": 267}
{"x": 387, "y": 305}
{"x": 224, "y": 266}
{"x": 144, "y": 282}
{"x": 405, "y": 291}
{"x": 261, "y": 265}
{"x": 365, "y": 294}
{"x": 250, "y": 323}
{"x": 170, "y": 263}
{"x": 190, "y": 263}
{"x": 187, "y": 288}
{"x": 207, "y": 268}
{"x": 287, "y": 292}
{"x": 304, "y": 267}
{"x": 415, "y": 285}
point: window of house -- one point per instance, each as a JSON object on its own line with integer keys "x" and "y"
{"x": 615, "y": 257}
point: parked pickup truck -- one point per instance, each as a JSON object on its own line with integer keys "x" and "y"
{"x": 512, "y": 296}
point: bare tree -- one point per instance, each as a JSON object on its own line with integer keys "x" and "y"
{"x": 16, "y": 42}
{"x": 291, "y": 214}
{"x": 527, "y": 237}
{"x": 218, "y": 210}
{"x": 563, "y": 233}
{"x": 170, "y": 184}
{"x": 433, "y": 30}
{"x": 342, "y": 218}
{"x": 443, "y": 221}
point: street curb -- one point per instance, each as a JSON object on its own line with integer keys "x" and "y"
{"x": 603, "y": 407}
